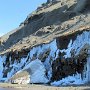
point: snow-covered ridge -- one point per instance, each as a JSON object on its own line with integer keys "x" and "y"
{"x": 47, "y": 54}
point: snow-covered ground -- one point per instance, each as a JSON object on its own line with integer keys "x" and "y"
{"x": 38, "y": 68}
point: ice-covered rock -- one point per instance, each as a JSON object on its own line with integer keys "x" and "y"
{"x": 34, "y": 72}
{"x": 51, "y": 63}
{"x": 1, "y": 67}
{"x": 70, "y": 80}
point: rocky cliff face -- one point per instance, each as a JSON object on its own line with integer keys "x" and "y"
{"x": 51, "y": 46}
